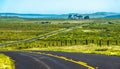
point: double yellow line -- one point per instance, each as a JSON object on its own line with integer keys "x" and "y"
{"x": 67, "y": 59}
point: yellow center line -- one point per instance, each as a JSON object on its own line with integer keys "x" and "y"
{"x": 67, "y": 59}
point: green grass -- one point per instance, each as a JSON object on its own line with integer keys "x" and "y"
{"x": 93, "y": 49}
{"x": 6, "y": 62}
{"x": 15, "y": 29}
{"x": 93, "y": 31}
{"x": 19, "y": 30}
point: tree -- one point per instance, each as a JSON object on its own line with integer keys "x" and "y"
{"x": 79, "y": 16}
{"x": 75, "y": 16}
{"x": 70, "y": 16}
{"x": 86, "y": 17}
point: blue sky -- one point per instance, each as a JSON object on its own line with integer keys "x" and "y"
{"x": 59, "y": 6}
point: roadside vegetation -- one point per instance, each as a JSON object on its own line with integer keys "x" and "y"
{"x": 92, "y": 49}
{"x": 6, "y": 62}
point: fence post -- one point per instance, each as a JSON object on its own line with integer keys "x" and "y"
{"x": 61, "y": 43}
{"x": 45, "y": 44}
{"x": 108, "y": 42}
{"x": 92, "y": 41}
{"x": 56, "y": 43}
{"x": 100, "y": 42}
{"x": 116, "y": 42}
{"x": 75, "y": 42}
{"x": 70, "y": 42}
{"x": 66, "y": 42}
{"x": 52, "y": 43}
{"x": 86, "y": 42}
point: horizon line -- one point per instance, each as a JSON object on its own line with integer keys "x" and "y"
{"x": 59, "y": 13}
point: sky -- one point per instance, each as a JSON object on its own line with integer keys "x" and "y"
{"x": 59, "y": 6}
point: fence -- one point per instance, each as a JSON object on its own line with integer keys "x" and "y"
{"x": 80, "y": 42}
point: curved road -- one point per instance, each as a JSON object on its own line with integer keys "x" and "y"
{"x": 62, "y": 60}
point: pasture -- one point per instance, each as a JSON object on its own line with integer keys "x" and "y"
{"x": 93, "y": 33}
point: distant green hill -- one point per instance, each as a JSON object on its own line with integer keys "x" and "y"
{"x": 113, "y": 16}
{"x": 92, "y": 15}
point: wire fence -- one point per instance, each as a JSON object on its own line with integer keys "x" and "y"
{"x": 80, "y": 42}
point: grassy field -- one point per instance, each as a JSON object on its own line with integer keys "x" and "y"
{"x": 6, "y": 62}
{"x": 15, "y": 29}
{"x": 100, "y": 36}
{"x": 92, "y": 49}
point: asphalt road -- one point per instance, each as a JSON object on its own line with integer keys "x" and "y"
{"x": 26, "y": 60}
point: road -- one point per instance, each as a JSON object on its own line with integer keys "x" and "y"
{"x": 62, "y": 60}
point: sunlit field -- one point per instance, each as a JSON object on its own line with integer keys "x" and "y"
{"x": 6, "y": 62}
{"x": 100, "y": 36}
{"x": 92, "y": 49}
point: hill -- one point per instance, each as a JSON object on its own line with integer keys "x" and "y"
{"x": 113, "y": 16}
{"x": 92, "y": 15}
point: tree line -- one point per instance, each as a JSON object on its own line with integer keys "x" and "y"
{"x": 77, "y": 16}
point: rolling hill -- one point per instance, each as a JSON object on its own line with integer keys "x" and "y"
{"x": 92, "y": 15}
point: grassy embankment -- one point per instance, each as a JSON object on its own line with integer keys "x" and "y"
{"x": 93, "y": 49}
{"x": 6, "y": 62}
